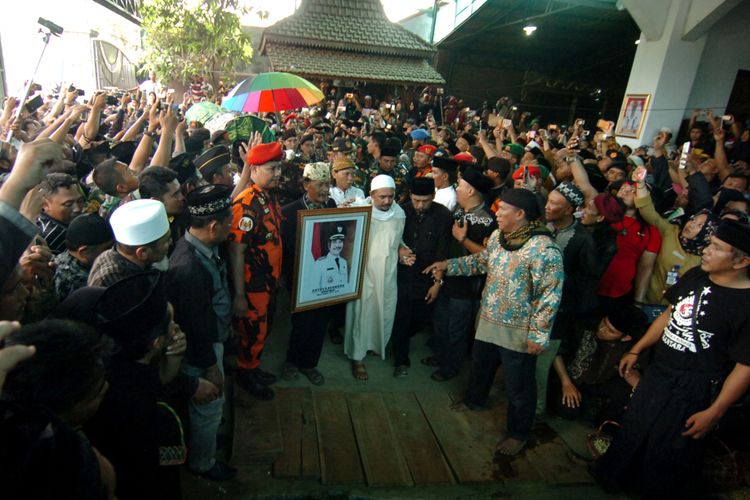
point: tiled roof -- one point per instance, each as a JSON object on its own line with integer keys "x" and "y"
{"x": 311, "y": 62}
{"x": 354, "y": 25}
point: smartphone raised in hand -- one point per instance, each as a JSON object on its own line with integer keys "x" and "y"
{"x": 33, "y": 104}
{"x": 684, "y": 155}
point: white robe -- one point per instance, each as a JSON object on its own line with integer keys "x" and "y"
{"x": 369, "y": 320}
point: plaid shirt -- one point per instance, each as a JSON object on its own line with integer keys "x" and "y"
{"x": 70, "y": 275}
{"x": 110, "y": 267}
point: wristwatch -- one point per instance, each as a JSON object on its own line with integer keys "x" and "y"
{"x": 150, "y": 134}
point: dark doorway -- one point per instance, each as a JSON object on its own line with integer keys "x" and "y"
{"x": 739, "y": 99}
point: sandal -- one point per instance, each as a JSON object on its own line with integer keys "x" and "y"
{"x": 313, "y": 375}
{"x": 359, "y": 370}
{"x": 289, "y": 371}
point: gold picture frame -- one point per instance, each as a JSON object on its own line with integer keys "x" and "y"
{"x": 330, "y": 256}
{"x": 632, "y": 115}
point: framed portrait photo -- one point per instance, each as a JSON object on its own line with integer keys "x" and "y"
{"x": 632, "y": 115}
{"x": 331, "y": 251}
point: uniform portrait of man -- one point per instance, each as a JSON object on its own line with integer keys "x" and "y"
{"x": 332, "y": 270}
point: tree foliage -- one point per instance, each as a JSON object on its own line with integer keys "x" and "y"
{"x": 184, "y": 38}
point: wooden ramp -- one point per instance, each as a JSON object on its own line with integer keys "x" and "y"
{"x": 390, "y": 439}
{"x": 257, "y": 436}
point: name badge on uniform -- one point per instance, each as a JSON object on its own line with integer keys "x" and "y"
{"x": 261, "y": 200}
{"x": 269, "y": 236}
{"x": 266, "y": 211}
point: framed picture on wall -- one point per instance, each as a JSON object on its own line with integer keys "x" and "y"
{"x": 331, "y": 251}
{"x": 632, "y": 115}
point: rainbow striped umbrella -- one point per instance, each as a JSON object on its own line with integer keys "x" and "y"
{"x": 272, "y": 92}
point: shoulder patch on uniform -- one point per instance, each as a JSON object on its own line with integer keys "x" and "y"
{"x": 245, "y": 224}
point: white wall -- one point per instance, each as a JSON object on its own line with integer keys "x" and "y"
{"x": 727, "y": 50}
{"x": 69, "y": 57}
{"x": 665, "y": 69}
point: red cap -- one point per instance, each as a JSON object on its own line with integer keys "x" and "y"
{"x": 290, "y": 116}
{"x": 427, "y": 149}
{"x": 533, "y": 172}
{"x": 264, "y": 153}
{"x": 465, "y": 158}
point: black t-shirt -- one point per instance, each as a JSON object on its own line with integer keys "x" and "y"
{"x": 481, "y": 223}
{"x": 722, "y": 322}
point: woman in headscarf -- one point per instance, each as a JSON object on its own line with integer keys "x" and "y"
{"x": 681, "y": 247}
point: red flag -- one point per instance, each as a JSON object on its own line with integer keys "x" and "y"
{"x": 316, "y": 251}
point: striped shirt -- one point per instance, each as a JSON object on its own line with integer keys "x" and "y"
{"x": 53, "y": 233}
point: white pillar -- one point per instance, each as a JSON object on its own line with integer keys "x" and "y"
{"x": 665, "y": 67}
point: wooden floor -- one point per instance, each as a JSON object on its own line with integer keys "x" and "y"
{"x": 389, "y": 439}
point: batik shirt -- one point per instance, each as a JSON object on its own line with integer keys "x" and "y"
{"x": 70, "y": 275}
{"x": 522, "y": 292}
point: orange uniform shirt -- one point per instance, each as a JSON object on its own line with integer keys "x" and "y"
{"x": 256, "y": 222}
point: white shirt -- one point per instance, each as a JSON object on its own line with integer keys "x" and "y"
{"x": 148, "y": 86}
{"x": 349, "y": 195}
{"x": 446, "y": 197}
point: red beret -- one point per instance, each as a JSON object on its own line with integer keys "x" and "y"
{"x": 533, "y": 172}
{"x": 290, "y": 116}
{"x": 427, "y": 149}
{"x": 264, "y": 153}
{"x": 464, "y": 158}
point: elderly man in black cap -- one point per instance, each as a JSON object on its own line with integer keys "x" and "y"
{"x": 427, "y": 235}
{"x": 458, "y": 302}
{"x": 88, "y": 236}
{"x": 199, "y": 291}
{"x": 213, "y": 165}
{"x": 519, "y": 302}
{"x": 581, "y": 268}
{"x": 700, "y": 366}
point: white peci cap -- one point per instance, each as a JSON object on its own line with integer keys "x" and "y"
{"x": 139, "y": 222}
{"x": 382, "y": 181}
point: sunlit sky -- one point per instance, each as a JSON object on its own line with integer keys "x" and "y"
{"x": 21, "y": 42}
{"x": 279, "y": 9}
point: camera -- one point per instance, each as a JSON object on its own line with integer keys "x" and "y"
{"x": 111, "y": 100}
{"x": 52, "y": 27}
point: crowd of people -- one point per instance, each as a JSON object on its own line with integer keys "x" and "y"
{"x": 136, "y": 247}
